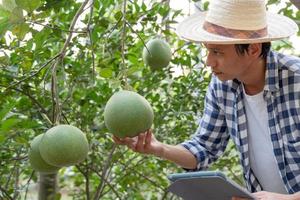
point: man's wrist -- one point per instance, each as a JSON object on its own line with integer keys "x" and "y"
{"x": 296, "y": 196}
{"x": 160, "y": 150}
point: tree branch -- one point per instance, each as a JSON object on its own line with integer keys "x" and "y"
{"x": 55, "y": 28}
{"x": 54, "y": 85}
{"x": 26, "y": 191}
{"x": 108, "y": 183}
{"x": 124, "y": 73}
{"x": 5, "y": 193}
{"x": 104, "y": 173}
{"x": 129, "y": 25}
{"x": 91, "y": 40}
{"x": 34, "y": 74}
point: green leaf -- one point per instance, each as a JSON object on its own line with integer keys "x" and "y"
{"x": 132, "y": 70}
{"x": 16, "y": 16}
{"x": 6, "y": 109}
{"x": 4, "y": 13}
{"x": 57, "y": 196}
{"x": 4, "y": 17}
{"x": 2, "y": 137}
{"x": 29, "y": 5}
{"x": 6, "y": 125}
{"x": 21, "y": 140}
{"x": 4, "y": 26}
{"x": 4, "y": 60}
{"x": 8, "y": 4}
{"x": 20, "y": 30}
{"x": 118, "y": 15}
{"x": 114, "y": 83}
{"x": 106, "y": 73}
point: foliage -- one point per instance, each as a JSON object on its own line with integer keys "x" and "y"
{"x": 54, "y": 72}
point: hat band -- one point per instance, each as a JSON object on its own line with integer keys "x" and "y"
{"x": 233, "y": 33}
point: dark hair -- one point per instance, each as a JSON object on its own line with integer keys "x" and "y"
{"x": 242, "y": 48}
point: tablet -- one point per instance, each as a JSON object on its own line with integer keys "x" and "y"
{"x": 206, "y": 185}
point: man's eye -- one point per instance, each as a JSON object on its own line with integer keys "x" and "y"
{"x": 217, "y": 52}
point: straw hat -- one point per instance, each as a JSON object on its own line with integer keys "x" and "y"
{"x": 236, "y": 22}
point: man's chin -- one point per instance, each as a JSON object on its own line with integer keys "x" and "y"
{"x": 222, "y": 77}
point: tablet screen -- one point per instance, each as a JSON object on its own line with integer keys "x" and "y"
{"x": 204, "y": 185}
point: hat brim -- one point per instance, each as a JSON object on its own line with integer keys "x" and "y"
{"x": 279, "y": 27}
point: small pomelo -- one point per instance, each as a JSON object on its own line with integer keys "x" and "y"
{"x": 64, "y": 145}
{"x": 35, "y": 159}
{"x": 158, "y": 54}
{"x": 127, "y": 114}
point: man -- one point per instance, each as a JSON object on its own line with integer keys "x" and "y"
{"x": 253, "y": 98}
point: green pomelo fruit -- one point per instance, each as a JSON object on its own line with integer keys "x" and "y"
{"x": 35, "y": 159}
{"x": 158, "y": 54}
{"x": 127, "y": 114}
{"x": 64, "y": 145}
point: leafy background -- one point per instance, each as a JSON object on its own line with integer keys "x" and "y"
{"x": 61, "y": 66}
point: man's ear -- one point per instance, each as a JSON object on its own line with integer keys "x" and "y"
{"x": 254, "y": 49}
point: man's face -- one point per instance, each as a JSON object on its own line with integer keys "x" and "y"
{"x": 225, "y": 63}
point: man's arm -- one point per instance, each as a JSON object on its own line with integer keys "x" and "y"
{"x": 263, "y": 195}
{"x": 146, "y": 143}
{"x": 179, "y": 155}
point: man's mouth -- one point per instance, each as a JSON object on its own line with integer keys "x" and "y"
{"x": 217, "y": 73}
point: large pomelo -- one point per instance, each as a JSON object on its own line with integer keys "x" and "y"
{"x": 64, "y": 145}
{"x": 35, "y": 159}
{"x": 158, "y": 54}
{"x": 127, "y": 114}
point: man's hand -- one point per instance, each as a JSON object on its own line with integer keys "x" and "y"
{"x": 144, "y": 143}
{"x": 263, "y": 195}
{"x": 275, "y": 196}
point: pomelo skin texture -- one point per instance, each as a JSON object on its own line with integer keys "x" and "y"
{"x": 127, "y": 114}
{"x": 160, "y": 54}
{"x": 64, "y": 145}
{"x": 35, "y": 159}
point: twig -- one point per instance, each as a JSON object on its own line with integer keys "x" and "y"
{"x": 5, "y": 193}
{"x": 108, "y": 183}
{"x": 123, "y": 43}
{"x": 129, "y": 25}
{"x": 26, "y": 191}
{"x": 56, "y": 28}
{"x": 34, "y": 74}
{"x": 91, "y": 40}
{"x": 34, "y": 101}
{"x": 179, "y": 48}
{"x": 54, "y": 85}
{"x": 146, "y": 178}
{"x": 114, "y": 27}
{"x": 87, "y": 180}
{"x": 104, "y": 173}
{"x": 10, "y": 174}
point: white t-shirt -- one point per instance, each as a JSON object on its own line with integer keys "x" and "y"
{"x": 262, "y": 158}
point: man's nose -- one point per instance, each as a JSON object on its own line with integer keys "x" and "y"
{"x": 210, "y": 62}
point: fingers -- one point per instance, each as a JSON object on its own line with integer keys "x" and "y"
{"x": 117, "y": 140}
{"x": 139, "y": 143}
{"x": 124, "y": 141}
{"x": 148, "y": 138}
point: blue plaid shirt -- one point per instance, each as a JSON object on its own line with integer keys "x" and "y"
{"x": 224, "y": 117}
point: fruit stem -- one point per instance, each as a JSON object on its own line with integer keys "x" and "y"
{"x": 124, "y": 72}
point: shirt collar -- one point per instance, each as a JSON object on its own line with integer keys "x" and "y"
{"x": 272, "y": 79}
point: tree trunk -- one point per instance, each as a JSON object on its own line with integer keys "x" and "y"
{"x": 47, "y": 186}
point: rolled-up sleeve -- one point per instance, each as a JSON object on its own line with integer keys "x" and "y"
{"x": 211, "y": 137}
